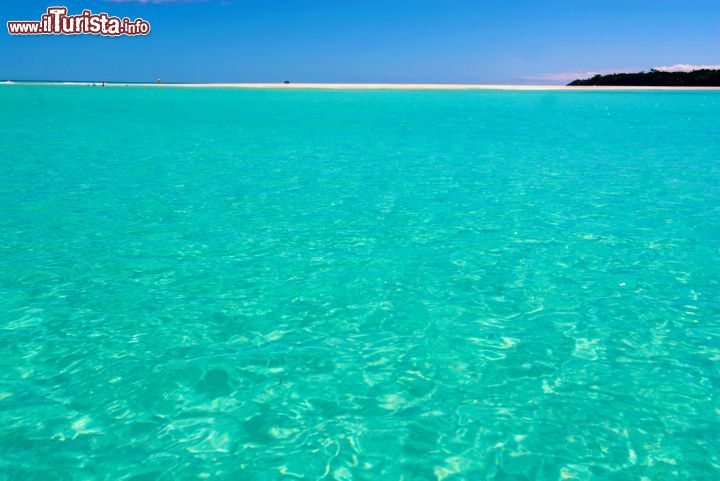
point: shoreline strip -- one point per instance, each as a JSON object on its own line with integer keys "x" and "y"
{"x": 355, "y": 86}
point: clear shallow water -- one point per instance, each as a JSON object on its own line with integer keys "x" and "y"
{"x": 260, "y": 285}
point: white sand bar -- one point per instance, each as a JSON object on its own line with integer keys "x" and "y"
{"x": 373, "y": 86}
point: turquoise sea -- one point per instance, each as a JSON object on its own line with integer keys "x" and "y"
{"x": 233, "y": 284}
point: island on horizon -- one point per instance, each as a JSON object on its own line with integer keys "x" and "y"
{"x": 654, "y": 78}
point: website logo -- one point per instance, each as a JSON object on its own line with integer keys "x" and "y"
{"x": 56, "y": 21}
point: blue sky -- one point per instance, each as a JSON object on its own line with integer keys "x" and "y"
{"x": 448, "y": 41}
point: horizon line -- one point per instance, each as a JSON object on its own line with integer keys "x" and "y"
{"x": 355, "y": 86}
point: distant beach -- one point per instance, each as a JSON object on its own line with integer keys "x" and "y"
{"x": 368, "y": 86}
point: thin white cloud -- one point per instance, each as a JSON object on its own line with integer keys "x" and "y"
{"x": 684, "y": 67}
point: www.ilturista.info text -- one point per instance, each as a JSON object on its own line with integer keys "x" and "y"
{"x": 56, "y": 21}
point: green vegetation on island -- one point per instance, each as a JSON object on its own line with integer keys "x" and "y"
{"x": 655, "y": 78}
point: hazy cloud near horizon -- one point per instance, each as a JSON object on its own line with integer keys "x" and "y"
{"x": 684, "y": 67}
{"x": 568, "y": 76}
{"x": 563, "y": 76}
